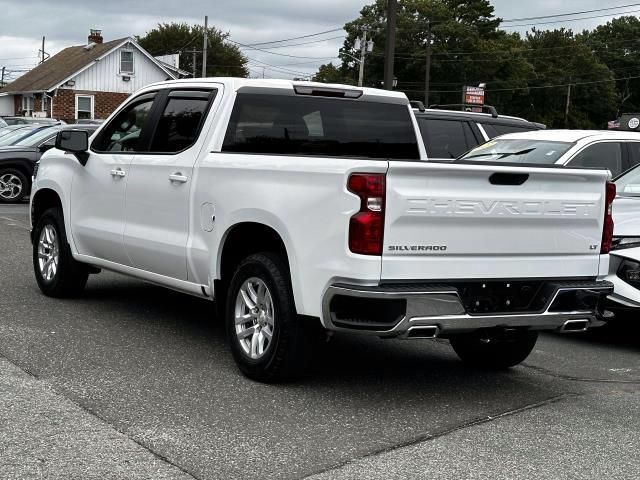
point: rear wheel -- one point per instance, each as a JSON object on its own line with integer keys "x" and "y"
{"x": 57, "y": 273}
{"x": 268, "y": 341}
{"x": 494, "y": 350}
{"x": 14, "y": 186}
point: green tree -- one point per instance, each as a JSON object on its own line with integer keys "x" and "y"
{"x": 465, "y": 39}
{"x": 617, "y": 45}
{"x": 560, "y": 58}
{"x": 223, "y": 59}
{"x": 329, "y": 73}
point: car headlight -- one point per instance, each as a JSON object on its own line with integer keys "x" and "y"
{"x": 620, "y": 243}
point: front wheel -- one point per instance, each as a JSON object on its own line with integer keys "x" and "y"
{"x": 14, "y": 186}
{"x": 494, "y": 350}
{"x": 268, "y": 341}
{"x": 57, "y": 273}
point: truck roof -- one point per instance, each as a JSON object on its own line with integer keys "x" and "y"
{"x": 236, "y": 83}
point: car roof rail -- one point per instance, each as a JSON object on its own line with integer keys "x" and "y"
{"x": 417, "y": 104}
{"x": 467, "y": 107}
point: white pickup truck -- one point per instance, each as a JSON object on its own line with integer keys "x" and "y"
{"x": 300, "y": 205}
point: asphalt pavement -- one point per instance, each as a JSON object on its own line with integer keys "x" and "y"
{"x": 135, "y": 381}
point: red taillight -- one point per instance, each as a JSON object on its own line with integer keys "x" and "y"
{"x": 366, "y": 228}
{"x": 607, "y": 232}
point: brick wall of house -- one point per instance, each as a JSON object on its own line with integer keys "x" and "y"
{"x": 64, "y": 104}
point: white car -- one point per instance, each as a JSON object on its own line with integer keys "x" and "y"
{"x": 616, "y": 151}
{"x": 625, "y": 257}
{"x": 298, "y": 205}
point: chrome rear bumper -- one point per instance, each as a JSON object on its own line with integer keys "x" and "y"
{"x": 397, "y": 311}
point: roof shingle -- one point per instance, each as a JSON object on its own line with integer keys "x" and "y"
{"x": 49, "y": 74}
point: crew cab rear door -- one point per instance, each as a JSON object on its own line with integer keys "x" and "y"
{"x": 486, "y": 221}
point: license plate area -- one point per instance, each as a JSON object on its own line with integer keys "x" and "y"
{"x": 503, "y": 297}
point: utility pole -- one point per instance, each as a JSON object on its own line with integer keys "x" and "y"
{"x": 566, "y": 110}
{"x": 204, "y": 48}
{"x": 363, "y": 53}
{"x": 42, "y": 61}
{"x": 390, "y": 50}
{"x": 194, "y": 62}
{"x": 427, "y": 77}
{"x": 2, "y": 78}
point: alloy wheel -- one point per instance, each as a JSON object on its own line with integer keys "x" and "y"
{"x": 254, "y": 318}
{"x": 48, "y": 253}
{"x": 10, "y": 186}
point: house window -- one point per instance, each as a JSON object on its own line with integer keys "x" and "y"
{"x": 27, "y": 103}
{"x": 84, "y": 107}
{"x": 126, "y": 61}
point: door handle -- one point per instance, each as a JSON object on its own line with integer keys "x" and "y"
{"x": 177, "y": 177}
{"x": 117, "y": 172}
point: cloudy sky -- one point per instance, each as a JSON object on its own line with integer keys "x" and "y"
{"x": 67, "y": 22}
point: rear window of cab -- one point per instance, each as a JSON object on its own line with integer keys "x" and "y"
{"x": 319, "y": 126}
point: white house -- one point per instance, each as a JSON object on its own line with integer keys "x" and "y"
{"x": 86, "y": 81}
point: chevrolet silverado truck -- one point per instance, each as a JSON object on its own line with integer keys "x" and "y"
{"x": 296, "y": 206}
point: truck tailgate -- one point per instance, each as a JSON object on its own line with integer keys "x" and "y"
{"x": 460, "y": 221}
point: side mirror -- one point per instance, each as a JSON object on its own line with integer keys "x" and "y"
{"x": 76, "y": 142}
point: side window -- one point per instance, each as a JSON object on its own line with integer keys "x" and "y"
{"x": 124, "y": 132}
{"x": 605, "y": 155}
{"x": 446, "y": 138}
{"x": 634, "y": 154}
{"x": 181, "y": 121}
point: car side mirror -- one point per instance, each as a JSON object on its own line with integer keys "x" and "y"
{"x": 76, "y": 142}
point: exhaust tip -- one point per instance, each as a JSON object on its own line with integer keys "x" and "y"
{"x": 575, "y": 326}
{"x": 423, "y": 332}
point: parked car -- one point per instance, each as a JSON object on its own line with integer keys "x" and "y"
{"x": 616, "y": 151}
{"x": 625, "y": 256}
{"x": 447, "y": 134}
{"x": 3, "y": 123}
{"x": 19, "y": 132}
{"x": 12, "y": 128}
{"x": 18, "y": 161}
{"x": 29, "y": 120}
{"x": 302, "y": 206}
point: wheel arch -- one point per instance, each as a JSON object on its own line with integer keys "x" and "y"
{"x": 245, "y": 238}
{"x": 42, "y": 200}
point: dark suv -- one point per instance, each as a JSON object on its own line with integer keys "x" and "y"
{"x": 447, "y": 134}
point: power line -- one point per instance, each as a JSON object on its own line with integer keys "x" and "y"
{"x": 275, "y": 53}
{"x": 568, "y": 20}
{"x": 534, "y": 87}
{"x": 570, "y": 14}
{"x": 296, "y": 44}
{"x": 296, "y": 38}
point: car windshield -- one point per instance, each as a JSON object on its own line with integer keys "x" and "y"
{"x": 628, "y": 184}
{"x": 18, "y": 134}
{"x": 509, "y": 150}
{"x": 38, "y": 137}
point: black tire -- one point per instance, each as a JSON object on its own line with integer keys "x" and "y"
{"x": 21, "y": 179}
{"x": 497, "y": 352}
{"x": 70, "y": 277}
{"x": 287, "y": 354}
